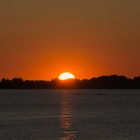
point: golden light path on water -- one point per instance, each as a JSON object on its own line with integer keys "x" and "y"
{"x": 66, "y": 116}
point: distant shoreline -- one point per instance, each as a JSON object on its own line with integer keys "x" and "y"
{"x": 102, "y": 82}
{"x": 68, "y": 89}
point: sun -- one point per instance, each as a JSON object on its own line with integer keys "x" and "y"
{"x": 66, "y": 76}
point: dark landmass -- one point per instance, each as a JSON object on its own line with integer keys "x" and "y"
{"x": 102, "y": 82}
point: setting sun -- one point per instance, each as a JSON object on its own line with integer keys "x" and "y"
{"x": 66, "y": 76}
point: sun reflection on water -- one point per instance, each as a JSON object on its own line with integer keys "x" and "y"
{"x": 66, "y": 116}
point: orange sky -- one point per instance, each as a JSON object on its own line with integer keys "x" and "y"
{"x": 39, "y": 39}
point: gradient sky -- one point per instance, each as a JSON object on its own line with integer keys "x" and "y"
{"x": 41, "y": 38}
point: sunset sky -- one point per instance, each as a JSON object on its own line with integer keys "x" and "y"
{"x": 39, "y": 39}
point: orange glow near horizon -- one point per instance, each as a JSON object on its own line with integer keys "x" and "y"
{"x": 66, "y": 76}
{"x": 45, "y": 38}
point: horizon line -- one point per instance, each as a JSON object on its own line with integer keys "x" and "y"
{"x": 18, "y": 77}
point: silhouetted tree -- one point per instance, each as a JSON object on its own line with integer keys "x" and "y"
{"x": 102, "y": 82}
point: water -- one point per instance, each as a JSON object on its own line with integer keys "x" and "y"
{"x": 69, "y": 114}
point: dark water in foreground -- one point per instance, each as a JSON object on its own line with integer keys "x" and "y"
{"x": 69, "y": 114}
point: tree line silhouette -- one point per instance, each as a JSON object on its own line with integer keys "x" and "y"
{"x": 102, "y": 82}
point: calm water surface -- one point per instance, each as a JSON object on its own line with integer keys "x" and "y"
{"x": 69, "y": 114}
